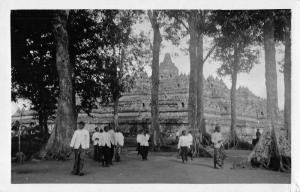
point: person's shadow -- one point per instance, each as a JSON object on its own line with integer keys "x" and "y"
{"x": 193, "y": 163}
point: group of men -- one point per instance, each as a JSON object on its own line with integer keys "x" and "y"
{"x": 185, "y": 144}
{"x": 107, "y": 144}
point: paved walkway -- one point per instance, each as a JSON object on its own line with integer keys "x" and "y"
{"x": 160, "y": 168}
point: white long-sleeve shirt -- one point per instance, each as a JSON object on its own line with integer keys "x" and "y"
{"x": 190, "y": 138}
{"x": 81, "y": 137}
{"x": 144, "y": 140}
{"x": 217, "y": 139}
{"x": 96, "y": 138}
{"x": 138, "y": 138}
{"x": 112, "y": 136}
{"x": 105, "y": 139}
{"x": 184, "y": 141}
{"x": 119, "y": 138}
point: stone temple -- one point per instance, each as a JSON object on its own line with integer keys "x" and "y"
{"x": 135, "y": 109}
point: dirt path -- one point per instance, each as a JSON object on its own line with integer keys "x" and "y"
{"x": 160, "y": 168}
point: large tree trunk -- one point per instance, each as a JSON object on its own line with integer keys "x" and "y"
{"x": 155, "y": 79}
{"x": 287, "y": 83}
{"x": 116, "y": 111}
{"x": 233, "y": 134}
{"x": 192, "y": 100}
{"x": 199, "y": 87}
{"x": 65, "y": 124}
{"x": 268, "y": 151}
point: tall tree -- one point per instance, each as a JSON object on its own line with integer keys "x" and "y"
{"x": 271, "y": 150}
{"x": 65, "y": 123}
{"x": 157, "y": 39}
{"x": 235, "y": 49}
{"x": 196, "y": 24}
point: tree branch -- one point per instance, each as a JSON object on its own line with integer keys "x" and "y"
{"x": 209, "y": 53}
{"x": 180, "y": 21}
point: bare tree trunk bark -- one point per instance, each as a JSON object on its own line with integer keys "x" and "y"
{"x": 287, "y": 83}
{"x": 271, "y": 86}
{"x": 200, "y": 112}
{"x": 58, "y": 144}
{"x": 234, "y": 139}
{"x": 155, "y": 79}
{"x": 192, "y": 101}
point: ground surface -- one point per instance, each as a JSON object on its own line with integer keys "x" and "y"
{"x": 160, "y": 168}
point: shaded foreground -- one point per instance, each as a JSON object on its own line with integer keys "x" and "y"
{"x": 160, "y": 168}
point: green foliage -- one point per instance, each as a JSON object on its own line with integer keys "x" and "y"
{"x": 235, "y": 34}
{"x": 93, "y": 35}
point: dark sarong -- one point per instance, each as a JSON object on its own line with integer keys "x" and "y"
{"x": 144, "y": 152}
{"x": 184, "y": 153}
{"x": 111, "y": 153}
{"x": 118, "y": 150}
{"x": 219, "y": 156}
{"x": 79, "y": 161}
{"x": 138, "y": 148}
{"x": 96, "y": 153}
{"x": 106, "y": 156}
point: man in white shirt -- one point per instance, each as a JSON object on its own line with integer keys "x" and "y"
{"x": 217, "y": 141}
{"x": 119, "y": 139}
{"x": 190, "y": 152}
{"x": 105, "y": 143}
{"x": 138, "y": 141}
{"x": 113, "y": 142}
{"x": 80, "y": 143}
{"x": 184, "y": 145}
{"x": 144, "y": 144}
{"x": 96, "y": 140}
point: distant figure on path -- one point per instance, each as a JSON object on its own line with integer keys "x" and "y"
{"x": 119, "y": 144}
{"x": 184, "y": 145}
{"x": 80, "y": 143}
{"x": 105, "y": 142}
{"x": 138, "y": 141}
{"x": 113, "y": 143}
{"x": 258, "y": 134}
{"x": 144, "y": 145}
{"x": 217, "y": 141}
{"x": 190, "y": 150}
{"x": 96, "y": 141}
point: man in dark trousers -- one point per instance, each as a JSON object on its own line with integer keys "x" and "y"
{"x": 105, "y": 143}
{"x": 113, "y": 143}
{"x": 80, "y": 143}
{"x": 96, "y": 139}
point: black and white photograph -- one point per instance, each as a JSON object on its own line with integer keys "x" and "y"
{"x": 151, "y": 96}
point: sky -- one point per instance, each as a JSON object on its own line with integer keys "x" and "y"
{"x": 255, "y": 80}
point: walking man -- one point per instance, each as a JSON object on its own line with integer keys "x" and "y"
{"x": 105, "y": 142}
{"x": 190, "y": 150}
{"x": 217, "y": 141}
{"x": 144, "y": 144}
{"x": 113, "y": 142}
{"x": 80, "y": 143}
{"x": 96, "y": 140}
{"x": 138, "y": 141}
{"x": 119, "y": 144}
{"x": 183, "y": 146}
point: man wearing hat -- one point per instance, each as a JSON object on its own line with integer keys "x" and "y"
{"x": 80, "y": 143}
